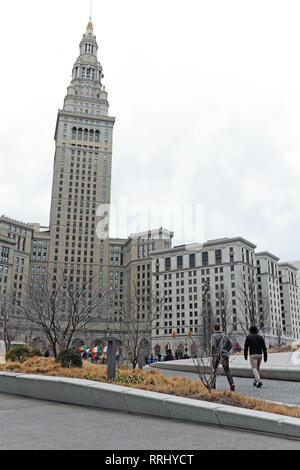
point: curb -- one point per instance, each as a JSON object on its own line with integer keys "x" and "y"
{"x": 274, "y": 373}
{"x": 124, "y": 399}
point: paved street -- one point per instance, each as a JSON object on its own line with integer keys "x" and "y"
{"x": 274, "y": 390}
{"x": 40, "y": 425}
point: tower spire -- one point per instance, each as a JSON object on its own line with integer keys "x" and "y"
{"x": 90, "y": 25}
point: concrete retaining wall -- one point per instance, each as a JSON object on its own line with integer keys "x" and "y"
{"x": 129, "y": 400}
{"x": 275, "y": 373}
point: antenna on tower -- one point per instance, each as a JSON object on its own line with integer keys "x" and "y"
{"x": 91, "y": 8}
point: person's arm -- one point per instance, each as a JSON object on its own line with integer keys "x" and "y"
{"x": 229, "y": 344}
{"x": 246, "y": 346}
{"x": 264, "y": 349}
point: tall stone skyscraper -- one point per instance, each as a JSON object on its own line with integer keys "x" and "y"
{"x": 82, "y": 171}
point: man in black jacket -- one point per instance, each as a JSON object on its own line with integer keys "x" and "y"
{"x": 256, "y": 344}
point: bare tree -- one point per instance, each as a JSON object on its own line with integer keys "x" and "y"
{"x": 253, "y": 308}
{"x": 204, "y": 358}
{"x": 60, "y": 308}
{"x": 247, "y": 298}
{"x": 204, "y": 362}
{"x": 278, "y": 333}
{"x": 10, "y": 324}
{"x": 226, "y": 323}
{"x": 131, "y": 321}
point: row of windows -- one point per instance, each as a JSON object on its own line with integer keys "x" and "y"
{"x": 4, "y": 254}
{"x": 205, "y": 259}
{"x": 192, "y": 260}
{"x": 13, "y": 228}
{"x": 85, "y": 134}
{"x": 178, "y": 330}
{"x": 87, "y": 72}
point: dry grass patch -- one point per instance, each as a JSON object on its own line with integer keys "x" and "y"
{"x": 48, "y": 366}
{"x": 152, "y": 380}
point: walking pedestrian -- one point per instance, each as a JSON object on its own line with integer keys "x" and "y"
{"x": 255, "y": 343}
{"x": 220, "y": 347}
{"x": 84, "y": 355}
{"x": 118, "y": 357}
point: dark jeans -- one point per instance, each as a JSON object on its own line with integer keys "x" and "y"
{"x": 224, "y": 359}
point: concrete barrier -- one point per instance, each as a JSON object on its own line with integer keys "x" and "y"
{"x": 124, "y": 399}
{"x": 188, "y": 409}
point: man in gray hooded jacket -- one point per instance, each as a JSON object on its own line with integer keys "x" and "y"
{"x": 220, "y": 347}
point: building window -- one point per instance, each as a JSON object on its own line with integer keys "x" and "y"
{"x": 205, "y": 258}
{"x": 192, "y": 260}
{"x": 218, "y": 255}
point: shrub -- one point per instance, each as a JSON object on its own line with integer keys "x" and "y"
{"x": 135, "y": 376}
{"x": 36, "y": 352}
{"x": 69, "y": 358}
{"x": 19, "y": 353}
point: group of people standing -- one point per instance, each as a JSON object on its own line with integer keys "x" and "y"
{"x": 98, "y": 358}
{"x": 93, "y": 357}
{"x": 254, "y": 346}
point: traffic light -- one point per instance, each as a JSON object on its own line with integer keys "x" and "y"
{"x": 83, "y": 329}
{"x": 190, "y": 333}
{"x": 174, "y": 334}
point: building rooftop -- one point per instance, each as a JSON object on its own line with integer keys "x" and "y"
{"x": 7, "y": 219}
{"x": 268, "y": 254}
{"x": 227, "y": 240}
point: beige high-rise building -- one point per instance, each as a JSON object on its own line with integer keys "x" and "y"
{"x": 225, "y": 279}
{"x": 16, "y": 249}
{"x": 82, "y": 172}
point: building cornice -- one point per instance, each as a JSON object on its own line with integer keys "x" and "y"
{"x": 62, "y": 112}
{"x": 288, "y": 265}
{"x": 4, "y": 218}
{"x": 268, "y": 254}
{"x": 228, "y": 241}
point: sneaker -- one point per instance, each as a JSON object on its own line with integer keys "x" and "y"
{"x": 232, "y": 387}
{"x": 254, "y": 383}
{"x": 260, "y": 384}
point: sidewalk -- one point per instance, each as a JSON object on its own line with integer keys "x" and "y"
{"x": 142, "y": 402}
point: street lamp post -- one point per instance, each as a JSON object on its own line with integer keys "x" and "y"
{"x": 111, "y": 356}
{"x": 205, "y": 317}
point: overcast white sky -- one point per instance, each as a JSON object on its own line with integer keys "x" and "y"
{"x": 207, "y": 100}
